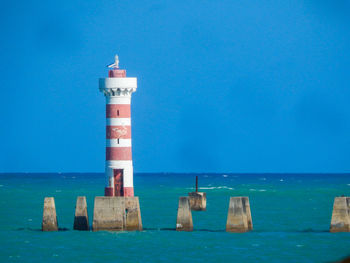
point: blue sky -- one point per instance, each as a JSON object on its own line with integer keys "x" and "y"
{"x": 223, "y": 86}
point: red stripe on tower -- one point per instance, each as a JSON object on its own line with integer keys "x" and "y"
{"x": 118, "y": 153}
{"x": 128, "y": 191}
{"x": 118, "y": 111}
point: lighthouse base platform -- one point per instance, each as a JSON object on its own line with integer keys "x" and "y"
{"x": 133, "y": 214}
{"x": 116, "y": 213}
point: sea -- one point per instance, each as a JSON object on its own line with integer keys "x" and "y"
{"x": 291, "y": 217}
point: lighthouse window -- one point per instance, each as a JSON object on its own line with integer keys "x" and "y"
{"x": 118, "y": 140}
{"x": 117, "y": 112}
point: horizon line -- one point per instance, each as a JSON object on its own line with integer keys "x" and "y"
{"x": 233, "y": 173}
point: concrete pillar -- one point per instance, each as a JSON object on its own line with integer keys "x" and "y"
{"x": 184, "y": 215}
{"x": 237, "y": 218}
{"x": 198, "y": 201}
{"x": 245, "y": 200}
{"x": 133, "y": 214}
{"x": 109, "y": 213}
{"x": 340, "y": 217}
{"x": 49, "y": 215}
{"x": 81, "y": 219}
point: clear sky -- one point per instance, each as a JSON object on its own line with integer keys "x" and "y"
{"x": 223, "y": 86}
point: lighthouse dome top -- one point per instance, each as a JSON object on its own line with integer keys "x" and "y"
{"x": 114, "y": 71}
{"x": 117, "y": 84}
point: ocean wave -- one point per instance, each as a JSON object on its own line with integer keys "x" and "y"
{"x": 216, "y": 187}
{"x": 260, "y": 190}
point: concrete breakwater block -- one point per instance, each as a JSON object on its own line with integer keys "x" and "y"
{"x": 133, "y": 214}
{"x": 239, "y": 215}
{"x": 109, "y": 213}
{"x": 198, "y": 201}
{"x": 184, "y": 215}
{"x": 49, "y": 215}
{"x": 246, "y": 204}
{"x": 341, "y": 215}
{"x": 81, "y": 220}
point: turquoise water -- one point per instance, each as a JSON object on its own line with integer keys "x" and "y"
{"x": 291, "y": 217}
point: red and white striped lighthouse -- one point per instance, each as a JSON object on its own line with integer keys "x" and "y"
{"x": 117, "y": 89}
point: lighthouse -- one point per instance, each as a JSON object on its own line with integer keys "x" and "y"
{"x": 118, "y": 89}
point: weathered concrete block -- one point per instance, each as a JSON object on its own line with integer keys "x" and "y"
{"x": 133, "y": 214}
{"x": 237, "y": 218}
{"x": 184, "y": 215}
{"x": 246, "y": 205}
{"x": 198, "y": 201}
{"x": 341, "y": 215}
{"x": 109, "y": 213}
{"x": 81, "y": 219}
{"x": 49, "y": 215}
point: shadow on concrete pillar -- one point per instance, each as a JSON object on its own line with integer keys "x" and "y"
{"x": 237, "y": 219}
{"x": 49, "y": 215}
{"x": 109, "y": 213}
{"x": 341, "y": 215}
{"x": 246, "y": 204}
{"x": 198, "y": 201}
{"x": 81, "y": 220}
{"x": 133, "y": 214}
{"x": 184, "y": 215}
{"x": 345, "y": 260}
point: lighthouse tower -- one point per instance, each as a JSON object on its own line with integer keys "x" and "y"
{"x": 117, "y": 89}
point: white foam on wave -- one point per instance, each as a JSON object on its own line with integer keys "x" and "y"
{"x": 224, "y": 175}
{"x": 262, "y": 179}
{"x": 252, "y": 189}
{"x": 262, "y": 190}
{"x": 281, "y": 180}
{"x": 216, "y": 187}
